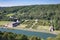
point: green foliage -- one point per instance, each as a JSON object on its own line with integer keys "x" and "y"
{"x": 21, "y": 37}
{"x": 49, "y": 38}
{"x": 55, "y": 38}
{"x": 29, "y": 23}
{"x": 12, "y": 36}
{"x": 32, "y": 12}
{"x": 56, "y": 23}
{"x": 35, "y": 38}
{"x": 42, "y": 12}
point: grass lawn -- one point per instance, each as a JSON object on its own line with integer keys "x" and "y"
{"x": 10, "y": 14}
{"x": 22, "y": 26}
{"x": 43, "y": 27}
{"x": 4, "y": 22}
{"x": 57, "y": 31}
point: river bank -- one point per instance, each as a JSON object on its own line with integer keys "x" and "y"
{"x": 32, "y": 30}
{"x": 29, "y": 32}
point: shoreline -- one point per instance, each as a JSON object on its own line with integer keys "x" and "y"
{"x": 32, "y": 30}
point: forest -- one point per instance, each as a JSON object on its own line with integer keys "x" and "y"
{"x": 40, "y": 12}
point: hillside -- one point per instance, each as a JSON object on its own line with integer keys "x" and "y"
{"x": 31, "y": 12}
{"x": 41, "y": 12}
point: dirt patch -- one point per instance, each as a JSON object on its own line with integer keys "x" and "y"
{"x": 43, "y": 27}
{"x": 22, "y": 26}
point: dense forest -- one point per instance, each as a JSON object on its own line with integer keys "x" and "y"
{"x": 42, "y": 12}
{"x": 46, "y": 12}
{"x": 13, "y": 36}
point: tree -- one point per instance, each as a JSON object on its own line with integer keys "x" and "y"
{"x": 57, "y": 37}
{"x": 35, "y": 38}
{"x": 49, "y": 38}
{"x": 55, "y": 23}
{"x": 21, "y": 37}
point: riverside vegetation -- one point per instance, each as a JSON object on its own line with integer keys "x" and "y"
{"x": 41, "y": 12}
{"x": 45, "y": 14}
{"x": 13, "y": 36}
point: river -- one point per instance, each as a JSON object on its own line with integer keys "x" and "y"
{"x": 28, "y": 33}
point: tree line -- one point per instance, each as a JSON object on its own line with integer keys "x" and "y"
{"x": 43, "y": 12}
{"x": 13, "y": 36}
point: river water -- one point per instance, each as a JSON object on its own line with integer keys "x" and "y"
{"x": 28, "y": 33}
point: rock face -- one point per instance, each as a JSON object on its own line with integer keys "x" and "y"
{"x": 8, "y": 25}
{"x": 51, "y": 28}
{"x": 13, "y": 24}
{"x": 16, "y": 23}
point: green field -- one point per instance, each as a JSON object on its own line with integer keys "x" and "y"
{"x": 4, "y": 22}
{"x": 10, "y": 14}
{"x": 29, "y": 23}
{"x": 40, "y": 25}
